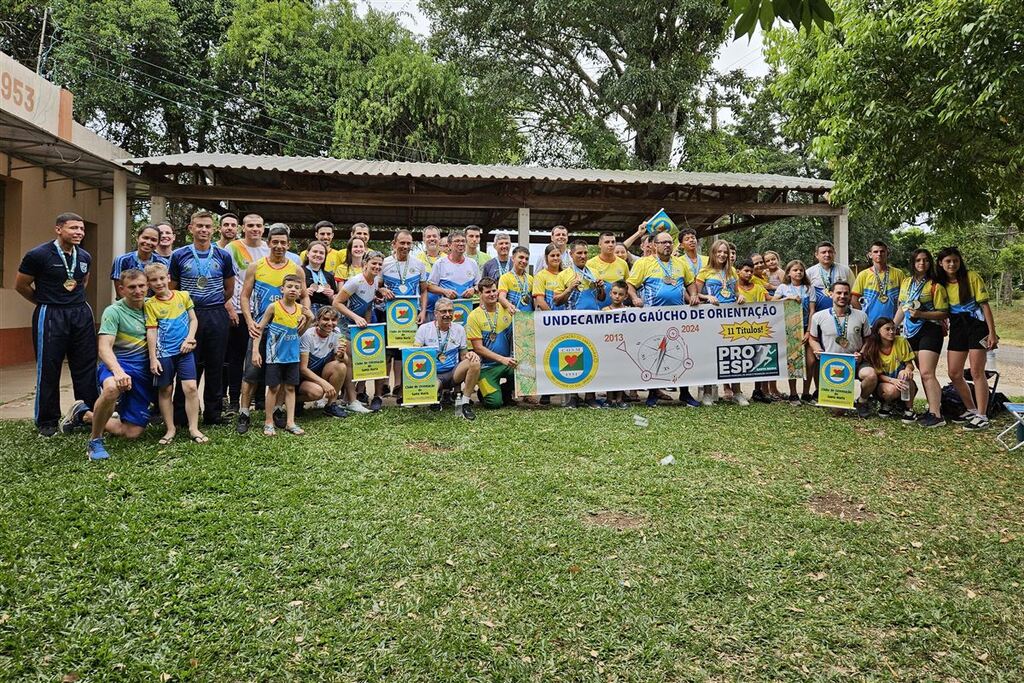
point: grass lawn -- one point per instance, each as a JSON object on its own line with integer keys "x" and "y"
{"x": 529, "y": 545}
{"x": 1010, "y": 322}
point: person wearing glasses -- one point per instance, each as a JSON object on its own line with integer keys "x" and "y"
{"x": 453, "y": 276}
{"x": 663, "y": 280}
{"x": 458, "y": 369}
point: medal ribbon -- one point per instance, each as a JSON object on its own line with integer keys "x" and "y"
{"x": 881, "y": 285}
{"x": 666, "y": 270}
{"x": 840, "y": 331}
{"x": 524, "y": 285}
{"x": 74, "y": 259}
{"x": 492, "y": 325}
{"x": 200, "y": 270}
{"x": 828, "y": 278}
{"x": 694, "y": 265}
{"x": 727, "y": 283}
{"x": 585, "y": 273}
{"x": 318, "y": 277}
{"x": 442, "y": 346}
{"x": 914, "y": 290}
{"x": 507, "y": 268}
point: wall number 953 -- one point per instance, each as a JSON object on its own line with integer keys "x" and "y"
{"x": 17, "y": 91}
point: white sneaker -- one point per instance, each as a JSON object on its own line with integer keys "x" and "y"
{"x": 739, "y": 399}
{"x": 322, "y": 403}
{"x": 357, "y": 407}
{"x": 705, "y": 399}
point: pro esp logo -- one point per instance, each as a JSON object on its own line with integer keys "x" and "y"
{"x": 745, "y": 361}
{"x": 570, "y": 361}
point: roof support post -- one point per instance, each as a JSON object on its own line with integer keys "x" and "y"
{"x": 524, "y": 228}
{"x": 157, "y": 209}
{"x": 119, "y": 236}
{"x": 841, "y": 236}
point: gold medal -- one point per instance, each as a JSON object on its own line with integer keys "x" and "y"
{"x": 70, "y": 284}
{"x": 669, "y": 280}
{"x": 440, "y": 357}
{"x": 726, "y": 293}
{"x": 884, "y": 298}
{"x": 843, "y": 341}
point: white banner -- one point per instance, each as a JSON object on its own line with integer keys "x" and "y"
{"x": 650, "y": 348}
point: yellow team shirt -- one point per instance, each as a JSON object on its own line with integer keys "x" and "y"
{"x": 872, "y": 288}
{"x": 978, "y": 291}
{"x": 930, "y": 294}
{"x": 268, "y": 280}
{"x": 756, "y": 293}
{"x": 518, "y": 289}
{"x": 648, "y": 278}
{"x": 494, "y": 330}
{"x": 696, "y": 265}
{"x": 343, "y": 272}
{"x": 609, "y": 272}
{"x": 899, "y": 355}
{"x": 429, "y": 260}
{"x": 548, "y": 284}
{"x": 330, "y": 263}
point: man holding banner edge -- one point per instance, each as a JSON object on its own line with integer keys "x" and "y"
{"x": 842, "y": 329}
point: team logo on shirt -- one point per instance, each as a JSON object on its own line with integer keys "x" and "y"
{"x": 570, "y": 361}
{"x": 84, "y": 267}
{"x": 419, "y": 365}
{"x": 744, "y": 361}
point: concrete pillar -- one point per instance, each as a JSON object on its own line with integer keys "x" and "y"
{"x": 119, "y": 219}
{"x": 524, "y": 228}
{"x": 841, "y": 236}
{"x": 157, "y": 209}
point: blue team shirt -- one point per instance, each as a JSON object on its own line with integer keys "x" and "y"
{"x": 130, "y": 261}
{"x": 215, "y": 264}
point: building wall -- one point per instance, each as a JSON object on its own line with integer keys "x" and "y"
{"x": 29, "y": 210}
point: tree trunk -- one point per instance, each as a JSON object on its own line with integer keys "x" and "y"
{"x": 655, "y": 132}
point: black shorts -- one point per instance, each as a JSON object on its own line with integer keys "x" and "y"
{"x": 446, "y": 380}
{"x": 928, "y": 338}
{"x": 967, "y": 333}
{"x": 282, "y": 373}
{"x": 251, "y": 373}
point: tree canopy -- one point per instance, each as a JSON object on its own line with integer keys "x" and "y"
{"x": 917, "y": 105}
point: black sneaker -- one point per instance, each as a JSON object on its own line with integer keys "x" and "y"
{"x": 593, "y": 403}
{"x": 385, "y": 391}
{"x": 571, "y": 402}
{"x": 964, "y": 417}
{"x": 908, "y": 417}
{"x": 884, "y": 410}
{"x": 929, "y": 420}
{"x": 335, "y": 410}
{"x": 806, "y": 398}
{"x": 232, "y": 409}
{"x": 363, "y": 397}
{"x": 242, "y": 423}
{"x": 759, "y": 396}
{"x": 376, "y": 404}
{"x": 794, "y": 400}
{"x": 467, "y": 411}
{"x": 863, "y": 410}
{"x": 435, "y": 408}
{"x": 979, "y": 422}
{"x": 72, "y": 419}
{"x": 214, "y": 420}
{"x": 280, "y": 418}
{"x": 46, "y": 431}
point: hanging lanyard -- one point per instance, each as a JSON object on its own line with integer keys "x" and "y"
{"x": 203, "y": 271}
{"x": 507, "y": 268}
{"x": 828, "y": 278}
{"x": 840, "y": 330}
{"x": 74, "y": 259}
{"x": 318, "y": 277}
{"x": 880, "y": 284}
{"x": 914, "y": 290}
{"x": 694, "y": 265}
{"x": 442, "y": 346}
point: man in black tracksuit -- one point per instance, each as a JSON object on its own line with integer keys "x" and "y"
{"x": 53, "y": 276}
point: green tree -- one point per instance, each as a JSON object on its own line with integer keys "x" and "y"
{"x": 916, "y": 104}
{"x": 748, "y": 14}
{"x": 598, "y": 82}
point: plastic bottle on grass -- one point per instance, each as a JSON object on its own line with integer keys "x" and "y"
{"x": 640, "y": 421}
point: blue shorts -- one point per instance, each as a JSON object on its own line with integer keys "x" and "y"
{"x": 182, "y": 366}
{"x": 133, "y": 406}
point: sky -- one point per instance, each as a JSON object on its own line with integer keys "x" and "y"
{"x": 737, "y": 54}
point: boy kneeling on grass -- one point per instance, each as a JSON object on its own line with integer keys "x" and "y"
{"x": 283, "y": 324}
{"x": 171, "y": 336}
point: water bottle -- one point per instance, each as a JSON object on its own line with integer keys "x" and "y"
{"x": 640, "y": 421}
{"x": 990, "y": 359}
{"x": 905, "y": 392}
{"x": 667, "y": 460}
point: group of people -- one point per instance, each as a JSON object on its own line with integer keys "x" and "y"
{"x": 266, "y": 328}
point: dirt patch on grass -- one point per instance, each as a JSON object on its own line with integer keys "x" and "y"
{"x": 609, "y": 519}
{"x": 832, "y": 504}
{"x": 429, "y": 446}
{"x": 724, "y": 457}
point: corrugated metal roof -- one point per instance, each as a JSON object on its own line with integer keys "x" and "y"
{"x": 402, "y": 169}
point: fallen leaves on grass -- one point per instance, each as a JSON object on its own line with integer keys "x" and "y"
{"x": 620, "y": 521}
{"x": 295, "y": 603}
{"x": 832, "y": 504}
{"x": 400, "y": 583}
{"x": 70, "y": 678}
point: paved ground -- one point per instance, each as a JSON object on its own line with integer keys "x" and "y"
{"x": 17, "y": 383}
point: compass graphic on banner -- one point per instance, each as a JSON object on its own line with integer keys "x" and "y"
{"x": 664, "y": 357}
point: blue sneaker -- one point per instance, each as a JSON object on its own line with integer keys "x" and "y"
{"x": 652, "y": 400}
{"x": 96, "y": 451}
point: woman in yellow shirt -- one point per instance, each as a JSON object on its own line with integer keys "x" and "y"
{"x": 353, "y": 263}
{"x": 893, "y": 359}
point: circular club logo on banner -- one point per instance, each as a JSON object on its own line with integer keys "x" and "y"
{"x": 419, "y": 365}
{"x": 370, "y": 342}
{"x": 570, "y": 361}
{"x": 837, "y": 372}
{"x": 402, "y": 313}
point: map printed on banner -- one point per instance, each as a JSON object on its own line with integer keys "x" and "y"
{"x": 419, "y": 376}
{"x": 836, "y": 376}
{"x": 649, "y": 348}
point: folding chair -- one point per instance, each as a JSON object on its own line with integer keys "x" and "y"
{"x": 1016, "y": 411}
